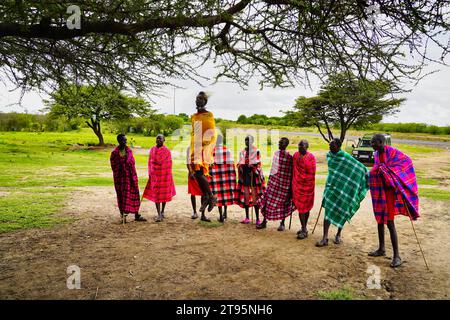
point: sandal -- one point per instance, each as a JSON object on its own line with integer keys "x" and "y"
{"x": 203, "y": 218}
{"x": 321, "y": 243}
{"x": 337, "y": 240}
{"x": 302, "y": 235}
{"x": 281, "y": 227}
{"x": 138, "y": 217}
{"x": 194, "y": 215}
{"x": 263, "y": 225}
{"x": 245, "y": 221}
{"x": 377, "y": 253}
{"x": 396, "y": 262}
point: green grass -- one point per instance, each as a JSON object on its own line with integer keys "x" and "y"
{"x": 434, "y": 194}
{"x": 427, "y": 181}
{"x": 345, "y": 293}
{"x": 212, "y": 224}
{"x": 33, "y": 209}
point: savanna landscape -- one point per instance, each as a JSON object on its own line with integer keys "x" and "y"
{"x": 75, "y": 74}
{"x": 58, "y": 208}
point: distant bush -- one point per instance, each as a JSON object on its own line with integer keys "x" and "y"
{"x": 152, "y": 126}
{"x": 14, "y": 121}
{"x": 410, "y": 128}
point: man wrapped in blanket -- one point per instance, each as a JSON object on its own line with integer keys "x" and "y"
{"x": 393, "y": 187}
{"x": 276, "y": 202}
{"x": 345, "y": 188}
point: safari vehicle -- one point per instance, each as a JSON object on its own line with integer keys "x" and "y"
{"x": 363, "y": 151}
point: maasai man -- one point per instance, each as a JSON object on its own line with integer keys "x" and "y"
{"x": 251, "y": 184}
{"x": 125, "y": 179}
{"x": 193, "y": 187}
{"x": 160, "y": 187}
{"x": 303, "y": 183}
{"x": 276, "y": 202}
{"x": 345, "y": 188}
{"x": 393, "y": 187}
{"x": 203, "y": 140}
{"x": 223, "y": 177}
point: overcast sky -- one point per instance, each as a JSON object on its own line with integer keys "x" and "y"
{"x": 429, "y": 102}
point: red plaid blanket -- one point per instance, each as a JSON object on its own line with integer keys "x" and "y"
{"x": 276, "y": 202}
{"x": 303, "y": 181}
{"x": 397, "y": 172}
{"x": 160, "y": 186}
{"x": 252, "y": 158}
{"x": 125, "y": 181}
{"x": 223, "y": 176}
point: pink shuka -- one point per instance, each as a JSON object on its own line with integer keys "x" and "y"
{"x": 160, "y": 186}
{"x": 276, "y": 202}
{"x": 397, "y": 172}
{"x": 303, "y": 181}
{"x": 125, "y": 181}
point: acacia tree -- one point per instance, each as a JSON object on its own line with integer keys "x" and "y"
{"x": 142, "y": 44}
{"x": 345, "y": 101}
{"x": 96, "y": 104}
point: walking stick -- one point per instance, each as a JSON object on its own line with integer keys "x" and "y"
{"x": 417, "y": 238}
{"x": 251, "y": 186}
{"x": 290, "y": 220}
{"x": 317, "y": 218}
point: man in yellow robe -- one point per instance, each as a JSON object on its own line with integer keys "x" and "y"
{"x": 203, "y": 140}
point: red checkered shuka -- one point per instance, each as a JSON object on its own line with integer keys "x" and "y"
{"x": 160, "y": 186}
{"x": 397, "y": 172}
{"x": 303, "y": 181}
{"x": 125, "y": 181}
{"x": 223, "y": 176}
{"x": 253, "y": 158}
{"x": 276, "y": 202}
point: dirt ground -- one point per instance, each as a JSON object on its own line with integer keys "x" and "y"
{"x": 182, "y": 259}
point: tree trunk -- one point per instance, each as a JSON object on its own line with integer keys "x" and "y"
{"x": 95, "y": 126}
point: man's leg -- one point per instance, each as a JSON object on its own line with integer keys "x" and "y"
{"x": 246, "y": 206}
{"x": 338, "y": 238}
{"x": 381, "y": 251}
{"x": 203, "y": 208}
{"x": 396, "y": 260}
{"x": 303, "y": 232}
{"x": 225, "y": 212}
{"x": 326, "y": 227}
{"x": 281, "y": 227}
{"x": 211, "y": 200}
{"x": 220, "y": 214}
{"x": 158, "y": 210}
{"x": 194, "y": 207}
{"x": 162, "y": 210}
{"x": 256, "y": 212}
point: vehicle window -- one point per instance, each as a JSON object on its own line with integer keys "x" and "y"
{"x": 364, "y": 143}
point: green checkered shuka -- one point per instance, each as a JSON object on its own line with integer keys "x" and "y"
{"x": 345, "y": 188}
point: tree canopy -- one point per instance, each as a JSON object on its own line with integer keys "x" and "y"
{"x": 96, "y": 104}
{"x": 345, "y": 101}
{"x": 143, "y": 44}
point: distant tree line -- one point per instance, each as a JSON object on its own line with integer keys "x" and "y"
{"x": 157, "y": 123}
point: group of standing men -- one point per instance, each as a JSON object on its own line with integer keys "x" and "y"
{"x": 290, "y": 187}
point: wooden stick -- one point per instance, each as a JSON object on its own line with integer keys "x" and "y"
{"x": 417, "y": 238}
{"x": 317, "y": 219}
{"x": 290, "y": 220}
{"x": 251, "y": 186}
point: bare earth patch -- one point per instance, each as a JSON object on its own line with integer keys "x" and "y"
{"x": 180, "y": 259}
